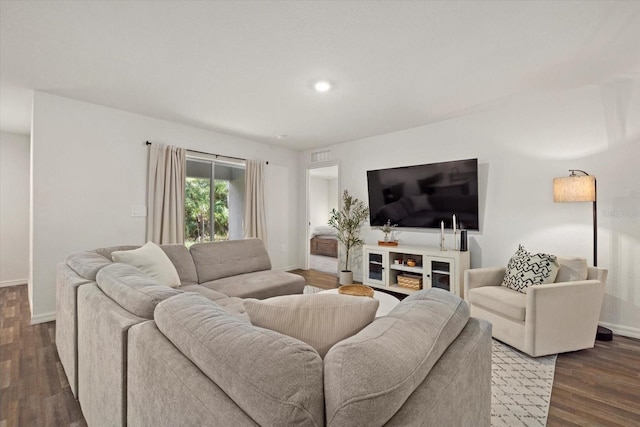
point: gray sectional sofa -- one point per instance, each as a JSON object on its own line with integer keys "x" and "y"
{"x": 244, "y": 271}
{"x": 150, "y": 355}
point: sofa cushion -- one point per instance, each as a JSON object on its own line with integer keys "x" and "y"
{"x": 133, "y": 290}
{"x": 320, "y": 320}
{"x": 106, "y": 252}
{"x": 183, "y": 263}
{"x": 215, "y": 260}
{"x": 526, "y": 269}
{"x": 87, "y": 263}
{"x": 572, "y": 269}
{"x": 152, "y": 260}
{"x": 369, "y": 376}
{"x": 204, "y": 291}
{"x": 259, "y": 284}
{"x": 273, "y": 378}
{"x": 500, "y": 299}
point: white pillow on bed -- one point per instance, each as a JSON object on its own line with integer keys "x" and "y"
{"x": 324, "y": 230}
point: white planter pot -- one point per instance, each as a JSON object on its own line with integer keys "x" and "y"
{"x": 346, "y": 277}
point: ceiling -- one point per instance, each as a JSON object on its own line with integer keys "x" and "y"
{"x": 248, "y": 68}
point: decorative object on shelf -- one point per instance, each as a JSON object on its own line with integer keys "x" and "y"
{"x": 463, "y": 241}
{"x": 442, "y": 244}
{"x": 455, "y": 233}
{"x": 410, "y": 281}
{"x": 582, "y": 188}
{"x": 411, "y": 262}
{"x": 356, "y": 290}
{"x": 348, "y": 222}
{"x": 388, "y": 230}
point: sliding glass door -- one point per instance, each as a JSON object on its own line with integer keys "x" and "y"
{"x": 214, "y": 200}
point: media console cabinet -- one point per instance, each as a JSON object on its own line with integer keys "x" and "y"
{"x": 436, "y": 269}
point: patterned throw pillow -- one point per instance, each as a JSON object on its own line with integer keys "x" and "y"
{"x": 526, "y": 269}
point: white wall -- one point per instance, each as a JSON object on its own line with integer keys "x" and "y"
{"x": 14, "y": 209}
{"x": 89, "y": 168}
{"x": 521, "y": 146}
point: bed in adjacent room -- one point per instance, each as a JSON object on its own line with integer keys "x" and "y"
{"x": 324, "y": 241}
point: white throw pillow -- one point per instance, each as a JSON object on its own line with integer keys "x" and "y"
{"x": 526, "y": 269}
{"x": 572, "y": 269}
{"x": 320, "y": 320}
{"x": 151, "y": 260}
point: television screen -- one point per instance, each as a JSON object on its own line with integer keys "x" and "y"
{"x": 422, "y": 196}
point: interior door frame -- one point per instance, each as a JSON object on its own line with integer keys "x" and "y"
{"x": 307, "y": 222}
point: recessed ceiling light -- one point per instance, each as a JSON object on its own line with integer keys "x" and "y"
{"x": 322, "y": 86}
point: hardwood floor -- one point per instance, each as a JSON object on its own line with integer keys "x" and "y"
{"x": 594, "y": 387}
{"x": 33, "y": 386}
{"x": 598, "y": 386}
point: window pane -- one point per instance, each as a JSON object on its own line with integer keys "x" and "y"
{"x": 197, "y": 206}
{"x": 214, "y": 201}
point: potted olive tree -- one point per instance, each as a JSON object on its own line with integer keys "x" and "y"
{"x": 348, "y": 222}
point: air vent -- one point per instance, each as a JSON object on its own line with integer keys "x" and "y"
{"x": 320, "y": 155}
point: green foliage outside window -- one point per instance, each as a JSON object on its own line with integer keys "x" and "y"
{"x": 197, "y": 207}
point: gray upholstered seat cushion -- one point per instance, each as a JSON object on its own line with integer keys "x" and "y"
{"x": 275, "y": 379}
{"x": 87, "y": 263}
{"x": 132, "y": 289}
{"x": 369, "y": 376}
{"x": 259, "y": 285}
{"x": 183, "y": 262}
{"x": 215, "y": 260}
{"x": 500, "y": 299}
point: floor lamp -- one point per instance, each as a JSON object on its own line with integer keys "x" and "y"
{"x": 582, "y": 188}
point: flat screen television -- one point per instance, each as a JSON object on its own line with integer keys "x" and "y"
{"x": 422, "y": 196}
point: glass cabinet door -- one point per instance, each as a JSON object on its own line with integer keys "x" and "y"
{"x": 440, "y": 275}
{"x": 375, "y": 267}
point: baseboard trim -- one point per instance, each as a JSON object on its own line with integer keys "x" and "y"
{"x": 625, "y": 331}
{"x": 42, "y": 318}
{"x": 16, "y": 282}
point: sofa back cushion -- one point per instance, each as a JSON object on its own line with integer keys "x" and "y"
{"x": 216, "y": 260}
{"x": 273, "y": 378}
{"x": 369, "y": 376}
{"x": 133, "y": 290}
{"x": 183, "y": 263}
{"x": 106, "y": 252}
{"x": 151, "y": 260}
{"x": 87, "y": 263}
{"x": 320, "y": 320}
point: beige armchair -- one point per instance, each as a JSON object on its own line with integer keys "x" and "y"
{"x": 548, "y": 319}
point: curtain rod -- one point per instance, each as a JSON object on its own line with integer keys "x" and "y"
{"x": 209, "y": 154}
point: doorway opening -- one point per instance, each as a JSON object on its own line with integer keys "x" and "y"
{"x": 323, "y": 196}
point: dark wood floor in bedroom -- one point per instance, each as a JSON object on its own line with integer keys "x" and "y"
{"x": 599, "y": 386}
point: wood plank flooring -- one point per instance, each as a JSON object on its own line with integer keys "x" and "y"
{"x": 594, "y": 387}
{"x": 33, "y": 386}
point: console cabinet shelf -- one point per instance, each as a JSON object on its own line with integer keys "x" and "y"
{"x": 436, "y": 268}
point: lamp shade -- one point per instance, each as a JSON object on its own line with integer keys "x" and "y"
{"x": 574, "y": 189}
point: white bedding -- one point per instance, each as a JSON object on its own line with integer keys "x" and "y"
{"x": 324, "y": 231}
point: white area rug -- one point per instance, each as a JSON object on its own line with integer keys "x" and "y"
{"x": 326, "y": 264}
{"x": 520, "y": 387}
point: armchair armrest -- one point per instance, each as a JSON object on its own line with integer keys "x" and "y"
{"x": 477, "y": 277}
{"x": 562, "y": 315}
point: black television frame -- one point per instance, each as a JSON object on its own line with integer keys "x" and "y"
{"x": 422, "y": 196}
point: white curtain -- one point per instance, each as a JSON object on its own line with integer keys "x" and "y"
{"x": 254, "y": 222}
{"x": 165, "y": 194}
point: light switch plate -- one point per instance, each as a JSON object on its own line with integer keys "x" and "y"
{"x": 138, "y": 210}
